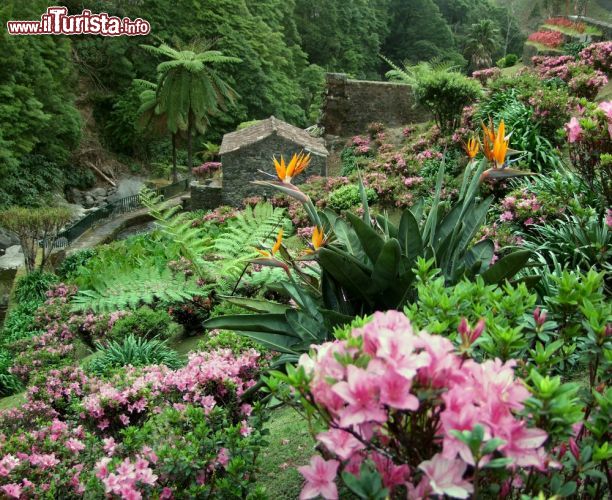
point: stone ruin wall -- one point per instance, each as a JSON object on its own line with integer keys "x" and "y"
{"x": 350, "y": 105}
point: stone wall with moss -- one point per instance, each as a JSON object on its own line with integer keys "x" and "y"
{"x": 350, "y": 105}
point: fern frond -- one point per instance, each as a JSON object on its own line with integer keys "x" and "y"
{"x": 142, "y": 286}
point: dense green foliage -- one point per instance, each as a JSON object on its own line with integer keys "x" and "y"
{"x": 135, "y": 351}
{"x": 285, "y": 49}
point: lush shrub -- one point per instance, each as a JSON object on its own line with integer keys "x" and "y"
{"x": 399, "y": 409}
{"x": 153, "y": 433}
{"x": 33, "y": 287}
{"x": 19, "y": 322}
{"x": 599, "y": 56}
{"x": 590, "y": 139}
{"x": 144, "y": 322}
{"x": 225, "y": 339}
{"x": 508, "y": 61}
{"x": 70, "y": 265}
{"x": 348, "y": 196}
{"x": 134, "y": 351}
{"x": 445, "y": 94}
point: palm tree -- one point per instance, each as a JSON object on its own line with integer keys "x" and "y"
{"x": 153, "y": 118}
{"x": 189, "y": 90}
{"x": 482, "y": 41}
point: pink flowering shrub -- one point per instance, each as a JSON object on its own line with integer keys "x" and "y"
{"x": 206, "y": 170}
{"x": 70, "y": 436}
{"x": 589, "y": 135}
{"x": 484, "y": 75}
{"x": 419, "y": 413}
{"x": 583, "y": 79}
{"x": 598, "y": 56}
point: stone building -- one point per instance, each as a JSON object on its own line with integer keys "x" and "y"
{"x": 245, "y": 152}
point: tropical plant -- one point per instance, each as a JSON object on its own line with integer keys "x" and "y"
{"x": 367, "y": 266}
{"x": 482, "y": 42}
{"x": 189, "y": 89}
{"x": 135, "y": 351}
{"x": 582, "y": 242}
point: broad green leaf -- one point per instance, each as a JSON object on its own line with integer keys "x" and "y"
{"x": 409, "y": 236}
{"x": 506, "y": 267}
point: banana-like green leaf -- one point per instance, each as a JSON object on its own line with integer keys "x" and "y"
{"x": 257, "y": 305}
{"x": 506, "y": 267}
{"x": 309, "y": 329}
{"x": 348, "y": 237}
{"x": 342, "y": 267}
{"x": 273, "y": 323}
{"x": 364, "y": 201}
{"x": 409, "y": 236}
{"x": 275, "y": 342}
{"x": 479, "y": 256}
{"x": 386, "y": 267}
{"x": 371, "y": 242}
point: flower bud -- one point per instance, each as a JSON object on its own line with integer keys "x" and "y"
{"x": 573, "y": 446}
{"x": 539, "y": 316}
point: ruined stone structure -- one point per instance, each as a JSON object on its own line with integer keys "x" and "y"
{"x": 245, "y": 152}
{"x": 350, "y": 105}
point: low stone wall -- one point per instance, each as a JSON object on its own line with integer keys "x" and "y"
{"x": 350, "y": 105}
{"x": 205, "y": 197}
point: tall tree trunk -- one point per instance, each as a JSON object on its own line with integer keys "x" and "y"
{"x": 174, "y": 169}
{"x": 189, "y": 145}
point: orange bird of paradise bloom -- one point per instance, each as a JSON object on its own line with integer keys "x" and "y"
{"x": 472, "y": 147}
{"x": 318, "y": 239}
{"x": 275, "y": 248}
{"x": 495, "y": 146}
{"x": 296, "y": 165}
{"x": 488, "y": 139}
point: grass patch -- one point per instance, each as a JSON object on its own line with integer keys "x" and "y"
{"x": 290, "y": 446}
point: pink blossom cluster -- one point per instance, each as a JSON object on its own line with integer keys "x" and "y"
{"x": 129, "y": 479}
{"x": 552, "y": 39}
{"x": 361, "y": 144}
{"x": 219, "y": 215}
{"x": 523, "y": 206}
{"x": 207, "y": 379}
{"x": 37, "y": 456}
{"x": 206, "y": 169}
{"x": 365, "y": 385}
{"x": 484, "y": 75}
{"x": 599, "y": 56}
{"x": 429, "y": 154}
{"x": 408, "y": 131}
{"x": 574, "y": 130}
{"x": 413, "y": 181}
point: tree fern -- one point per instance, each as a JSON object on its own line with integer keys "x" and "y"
{"x": 142, "y": 286}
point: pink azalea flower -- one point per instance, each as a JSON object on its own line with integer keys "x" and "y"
{"x": 361, "y": 392}
{"x": 7, "y": 464}
{"x": 395, "y": 391}
{"x": 13, "y": 490}
{"x": 574, "y": 130}
{"x": 74, "y": 445}
{"x": 343, "y": 444}
{"x": 446, "y": 477}
{"x": 320, "y": 476}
